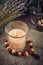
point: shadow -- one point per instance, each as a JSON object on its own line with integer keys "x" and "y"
{"x": 35, "y": 56}
{"x": 41, "y": 30}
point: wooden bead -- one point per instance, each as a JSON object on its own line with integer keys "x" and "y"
{"x": 30, "y": 44}
{"x": 26, "y": 53}
{"x": 28, "y": 41}
{"x": 30, "y": 52}
{"x": 13, "y": 51}
{"x": 19, "y": 53}
{"x": 32, "y": 49}
{"x": 6, "y": 44}
{"x": 8, "y": 48}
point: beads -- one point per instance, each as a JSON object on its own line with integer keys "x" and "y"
{"x": 9, "y": 49}
{"x": 28, "y": 41}
{"x": 30, "y": 45}
{"x": 13, "y": 51}
{"x": 19, "y": 53}
{"x": 5, "y": 43}
{"x": 26, "y": 53}
{"x": 32, "y": 49}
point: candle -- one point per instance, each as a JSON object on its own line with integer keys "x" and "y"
{"x": 18, "y": 39}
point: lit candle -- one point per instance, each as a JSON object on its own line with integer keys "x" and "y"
{"x": 18, "y": 39}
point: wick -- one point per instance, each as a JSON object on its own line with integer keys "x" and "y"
{"x": 15, "y": 34}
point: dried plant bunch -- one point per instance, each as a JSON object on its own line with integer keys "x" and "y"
{"x": 14, "y": 8}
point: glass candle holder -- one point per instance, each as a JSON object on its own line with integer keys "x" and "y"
{"x": 16, "y": 33}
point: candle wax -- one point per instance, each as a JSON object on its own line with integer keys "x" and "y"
{"x": 18, "y": 42}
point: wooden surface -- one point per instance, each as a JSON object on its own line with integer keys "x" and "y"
{"x": 36, "y": 36}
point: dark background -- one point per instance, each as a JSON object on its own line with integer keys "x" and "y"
{"x": 34, "y": 2}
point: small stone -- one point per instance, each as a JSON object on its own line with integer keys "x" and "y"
{"x": 13, "y": 51}
{"x": 19, "y": 53}
{"x": 26, "y": 53}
